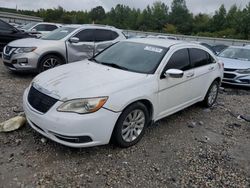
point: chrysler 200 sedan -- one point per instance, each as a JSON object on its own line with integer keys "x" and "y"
{"x": 117, "y": 93}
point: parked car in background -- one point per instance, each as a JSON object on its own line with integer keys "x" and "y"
{"x": 41, "y": 28}
{"x": 9, "y": 33}
{"x": 67, "y": 44}
{"x": 219, "y": 48}
{"x": 117, "y": 93}
{"x": 208, "y": 46}
{"x": 163, "y": 37}
{"x": 236, "y": 61}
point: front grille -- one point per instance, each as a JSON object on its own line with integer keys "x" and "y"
{"x": 229, "y": 70}
{"x": 8, "y": 49}
{"x": 228, "y": 75}
{"x": 40, "y": 101}
{"x": 8, "y": 52}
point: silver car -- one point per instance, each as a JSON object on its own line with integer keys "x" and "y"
{"x": 236, "y": 61}
{"x": 67, "y": 44}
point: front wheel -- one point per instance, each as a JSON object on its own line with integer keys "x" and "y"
{"x": 212, "y": 94}
{"x": 131, "y": 125}
{"x": 49, "y": 62}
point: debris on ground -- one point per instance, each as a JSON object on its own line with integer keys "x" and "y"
{"x": 12, "y": 124}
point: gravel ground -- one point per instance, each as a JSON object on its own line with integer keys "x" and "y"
{"x": 196, "y": 147}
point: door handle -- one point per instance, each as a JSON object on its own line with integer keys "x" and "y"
{"x": 211, "y": 68}
{"x": 190, "y": 75}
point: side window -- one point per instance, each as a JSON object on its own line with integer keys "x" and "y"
{"x": 179, "y": 60}
{"x": 199, "y": 57}
{"x": 50, "y": 27}
{"x": 210, "y": 59}
{"x": 86, "y": 35}
{"x": 40, "y": 27}
{"x": 4, "y": 27}
{"x": 105, "y": 35}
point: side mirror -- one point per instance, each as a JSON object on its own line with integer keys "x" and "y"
{"x": 74, "y": 40}
{"x": 34, "y": 30}
{"x": 174, "y": 73}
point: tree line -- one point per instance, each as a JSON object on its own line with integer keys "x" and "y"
{"x": 176, "y": 19}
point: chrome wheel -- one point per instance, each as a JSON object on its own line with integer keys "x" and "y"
{"x": 133, "y": 125}
{"x": 50, "y": 63}
{"x": 212, "y": 94}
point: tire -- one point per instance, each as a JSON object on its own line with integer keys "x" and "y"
{"x": 48, "y": 62}
{"x": 212, "y": 94}
{"x": 131, "y": 125}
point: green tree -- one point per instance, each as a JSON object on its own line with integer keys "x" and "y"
{"x": 159, "y": 15}
{"x": 97, "y": 14}
{"x": 181, "y": 17}
{"x": 244, "y": 24}
{"x": 219, "y": 19}
{"x": 201, "y": 23}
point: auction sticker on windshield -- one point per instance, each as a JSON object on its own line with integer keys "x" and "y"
{"x": 153, "y": 49}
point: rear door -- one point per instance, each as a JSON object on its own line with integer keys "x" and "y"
{"x": 176, "y": 93}
{"x": 204, "y": 65}
{"x": 104, "y": 38}
{"x": 84, "y": 49}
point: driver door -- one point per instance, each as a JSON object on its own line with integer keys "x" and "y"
{"x": 84, "y": 49}
{"x": 176, "y": 93}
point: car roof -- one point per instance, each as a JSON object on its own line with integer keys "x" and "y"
{"x": 78, "y": 26}
{"x": 157, "y": 41}
{"x": 49, "y": 23}
{"x": 241, "y": 47}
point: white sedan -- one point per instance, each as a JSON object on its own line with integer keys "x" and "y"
{"x": 116, "y": 94}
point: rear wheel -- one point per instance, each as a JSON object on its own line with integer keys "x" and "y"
{"x": 131, "y": 125}
{"x": 212, "y": 94}
{"x": 49, "y": 62}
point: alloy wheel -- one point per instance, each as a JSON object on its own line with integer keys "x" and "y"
{"x": 133, "y": 125}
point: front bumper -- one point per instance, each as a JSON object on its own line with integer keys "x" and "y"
{"x": 21, "y": 62}
{"x": 71, "y": 129}
{"x": 234, "y": 78}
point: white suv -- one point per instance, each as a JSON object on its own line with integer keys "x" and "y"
{"x": 41, "y": 28}
{"x": 120, "y": 91}
{"x": 67, "y": 44}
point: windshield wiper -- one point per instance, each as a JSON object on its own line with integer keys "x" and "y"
{"x": 114, "y": 65}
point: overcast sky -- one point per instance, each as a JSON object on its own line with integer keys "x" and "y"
{"x": 196, "y": 6}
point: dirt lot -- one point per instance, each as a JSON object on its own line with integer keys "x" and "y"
{"x": 196, "y": 147}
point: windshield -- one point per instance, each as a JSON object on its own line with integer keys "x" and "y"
{"x": 28, "y": 26}
{"x": 131, "y": 56}
{"x": 236, "y": 53}
{"x": 59, "y": 33}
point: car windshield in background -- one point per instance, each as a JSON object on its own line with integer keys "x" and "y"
{"x": 59, "y": 33}
{"x": 28, "y": 26}
{"x": 236, "y": 53}
{"x": 131, "y": 56}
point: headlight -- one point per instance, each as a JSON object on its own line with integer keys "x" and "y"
{"x": 243, "y": 71}
{"x": 24, "y": 50}
{"x": 83, "y": 106}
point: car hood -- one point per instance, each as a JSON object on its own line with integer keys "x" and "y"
{"x": 235, "y": 63}
{"x": 85, "y": 79}
{"x": 31, "y": 42}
